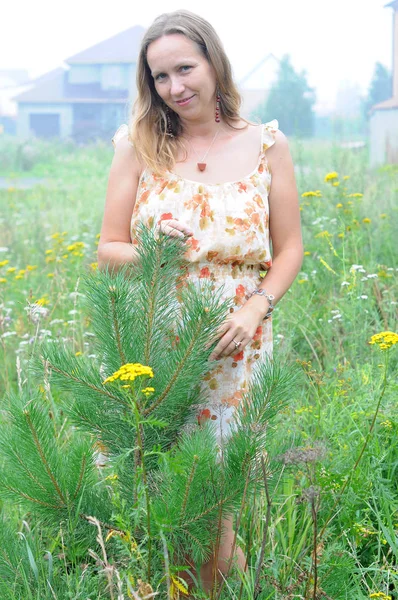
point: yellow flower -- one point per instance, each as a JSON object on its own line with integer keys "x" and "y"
{"x": 18, "y": 276}
{"x": 11, "y": 189}
{"x": 383, "y": 216}
{"x": 366, "y": 220}
{"x": 94, "y": 266}
{"x": 340, "y": 235}
{"x": 331, "y": 176}
{"x": 50, "y": 275}
{"x": 11, "y": 269}
{"x": 49, "y": 251}
{"x": 307, "y": 253}
{"x": 346, "y": 177}
{"x": 31, "y": 267}
{"x": 3, "y": 280}
{"x": 42, "y": 301}
{"x": 21, "y": 271}
{"x": 339, "y": 205}
{"x": 315, "y": 194}
{"x": 302, "y": 281}
{"x": 98, "y": 236}
{"x": 336, "y": 183}
{"x": 356, "y": 195}
{"x": 3, "y": 263}
{"x": 381, "y": 595}
{"x": 129, "y": 372}
{"x": 55, "y": 235}
{"x": 325, "y": 264}
{"x": 148, "y": 390}
{"x": 78, "y": 353}
{"x": 384, "y": 339}
{"x": 323, "y": 234}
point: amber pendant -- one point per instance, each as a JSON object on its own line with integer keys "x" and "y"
{"x": 201, "y": 166}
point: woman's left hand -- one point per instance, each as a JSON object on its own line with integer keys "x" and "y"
{"x": 239, "y": 326}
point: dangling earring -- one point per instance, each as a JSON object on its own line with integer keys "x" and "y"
{"x": 218, "y": 98}
{"x": 169, "y": 126}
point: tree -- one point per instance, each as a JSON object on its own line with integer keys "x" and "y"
{"x": 380, "y": 89}
{"x": 163, "y": 487}
{"x": 291, "y": 101}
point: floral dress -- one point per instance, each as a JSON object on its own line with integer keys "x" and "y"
{"x": 230, "y": 246}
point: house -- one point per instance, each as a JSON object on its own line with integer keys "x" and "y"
{"x": 93, "y": 94}
{"x": 12, "y": 81}
{"x": 89, "y": 97}
{"x": 384, "y": 115}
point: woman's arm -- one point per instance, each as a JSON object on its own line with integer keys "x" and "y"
{"x": 285, "y": 228}
{"x": 115, "y": 248}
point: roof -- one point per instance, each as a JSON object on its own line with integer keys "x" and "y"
{"x": 120, "y": 48}
{"x": 386, "y": 104}
{"x": 262, "y": 75}
{"x": 393, "y": 4}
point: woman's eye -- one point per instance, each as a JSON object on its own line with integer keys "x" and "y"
{"x": 158, "y": 76}
{"x": 185, "y": 67}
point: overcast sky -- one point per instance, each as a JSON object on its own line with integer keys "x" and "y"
{"x": 335, "y": 41}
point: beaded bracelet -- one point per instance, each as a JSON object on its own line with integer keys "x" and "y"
{"x": 269, "y": 297}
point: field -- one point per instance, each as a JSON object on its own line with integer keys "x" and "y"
{"x": 333, "y": 529}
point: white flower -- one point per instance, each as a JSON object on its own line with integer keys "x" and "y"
{"x": 363, "y": 297}
{"x": 8, "y": 333}
{"x": 337, "y": 316}
{"x": 335, "y": 312}
{"x": 364, "y": 278}
{"x": 280, "y": 336}
{"x": 372, "y": 275}
{"x": 355, "y": 267}
{"x": 393, "y": 302}
{"x": 36, "y": 312}
{"x": 3, "y": 249}
{"x": 55, "y": 321}
{"x": 76, "y": 294}
{"x": 73, "y": 312}
{"x": 345, "y": 283}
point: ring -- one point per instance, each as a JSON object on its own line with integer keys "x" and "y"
{"x": 237, "y": 344}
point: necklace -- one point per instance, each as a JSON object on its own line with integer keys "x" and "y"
{"x": 201, "y": 164}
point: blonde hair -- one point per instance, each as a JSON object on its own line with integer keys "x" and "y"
{"x": 148, "y": 125}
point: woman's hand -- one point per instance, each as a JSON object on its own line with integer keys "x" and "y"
{"x": 174, "y": 228}
{"x": 239, "y": 326}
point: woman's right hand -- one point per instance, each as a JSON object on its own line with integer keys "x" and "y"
{"x": 174, "y": 228}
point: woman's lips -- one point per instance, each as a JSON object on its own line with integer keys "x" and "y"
{"x": 184, "y": 102}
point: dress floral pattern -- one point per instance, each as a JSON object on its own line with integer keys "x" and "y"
{"x": 230, "y": 246}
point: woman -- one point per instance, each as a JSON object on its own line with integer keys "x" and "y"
{"x": 191, "y": 164}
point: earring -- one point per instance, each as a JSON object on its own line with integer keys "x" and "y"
{"x": 218, "y": 98}
{"x": 169, "y": 126}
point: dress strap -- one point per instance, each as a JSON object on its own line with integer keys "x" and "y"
{"x": 119, "y": 133}
{"x": 268, "y": 134}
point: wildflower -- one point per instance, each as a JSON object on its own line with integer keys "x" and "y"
{"x": 325, "y": 264}
{"x": 129, "y": 372}
{"x": 346, "y": 177}
{"x": 3, "y": 249}
{"x": 356, "y": 195}
{"x": 331, "y": 176}
{"x": 94, "y": 266}
{"x": 383, "y": 215}
{"x": 42, "y": 301}
{"x": 302, "y": 281}
{"x": 21, "y": 271}
{"x": 340, "y": 235}
{"x": 31, "y": 267}
{"x": 381, "y": 595}
{"x": 18, "y": 276}
{"x": 78, "y": 353}
{"x": 308, "y": 454}
{"x": 3, "y": 280}
{"x": 55, "y": 235}
{"x": 336, "y": 183}
{"x": 345, "y": 283}
{"x": 339, "y": 205}
{"x": 50, "y": 275}
{"x": 312, "y": 194}
{"x": 11, "y": 269}
{"x": 384, "y": 339}
{"x": 3, "y": 263}
{"x": 147, "y": 391}
{"x": 366, "y": 220}
{"x": 324, "y": 233}
{"x": 307, "y": 253}
{"x": 387, "y": 424}
{"x": 50, "y": 251}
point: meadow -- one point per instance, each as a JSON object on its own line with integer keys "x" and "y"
{"x": 333, "y": 526}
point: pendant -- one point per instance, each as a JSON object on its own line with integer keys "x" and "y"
{"x": 201, "y": 166}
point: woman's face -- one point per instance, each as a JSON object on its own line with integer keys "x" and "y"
{"x": 180, "y": 73}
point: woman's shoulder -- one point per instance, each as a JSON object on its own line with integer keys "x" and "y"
{"x": 122, "y": 132}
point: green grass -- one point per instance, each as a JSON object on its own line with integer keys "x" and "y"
{"x": 345, "y": 293}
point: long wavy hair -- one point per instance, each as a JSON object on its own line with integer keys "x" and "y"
{"x": 148, "y": 122}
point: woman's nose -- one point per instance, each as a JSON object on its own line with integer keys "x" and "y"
{"x": 176, "y": 87}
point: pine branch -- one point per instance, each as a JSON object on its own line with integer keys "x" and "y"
{"x": 81, "y": 475}
{"x": 43, "y": 457}
{"x": 188, "y": 486}
{"x": 116, "y": 327}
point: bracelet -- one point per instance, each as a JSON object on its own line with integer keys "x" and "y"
{"x": 269, "y": 297}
